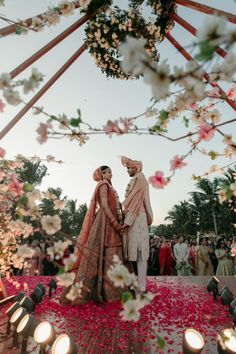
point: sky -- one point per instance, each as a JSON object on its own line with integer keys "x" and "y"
{"x": 83, "y": 86}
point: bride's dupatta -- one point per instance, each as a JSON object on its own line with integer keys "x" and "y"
{"x": 87, "y": 224}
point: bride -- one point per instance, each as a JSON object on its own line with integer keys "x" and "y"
{"x": 97, "y": 243}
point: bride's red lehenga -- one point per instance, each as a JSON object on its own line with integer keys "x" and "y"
{"x": 97, "y": 243}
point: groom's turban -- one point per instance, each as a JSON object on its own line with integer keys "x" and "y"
{"x": 131, "y": 163}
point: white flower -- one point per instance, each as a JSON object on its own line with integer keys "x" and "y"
{"x": 66, "y": 8}
{"x": 75, "y": 291}
{"x": 120, "y": 275}
{"x": 69, "y": 261}
{"x": 51, "y": 252}
{"x": 195, "y": 86}
{"x": 32, "y": 197}
{"x": 49, "y": 195}
{"x": 58, "y": 204}
{"x": 66, "y": 279}
{"x": 130, "y": 311}
{"x": 64, "y": 121}
{"x": 222, "y": 196}
{"x": 19, "y": 227}
{"x": 134, "y": 55}
{"x": 159, "y": 79}
{"x": 17, "y": 261}
{"x": 51, "y": 224}
{"x": 214, "y": 116}
{"x": 25, "y": 252}
{"x": 5, "y": 80}
{"x": 212, "y": 30}
{"x": 228, "y": 67}
{"x": 144, "y": 299}
{"x": 33, "y": 82}
{"x": 12, "y": 97}
{"x": 37, "y": 23}
{"x": 58, "y": 249}
{"x": 151, "y": 112}
{"x": 52, "y": 17}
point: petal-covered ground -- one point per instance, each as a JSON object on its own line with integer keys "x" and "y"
{"x": 180, "y": 302}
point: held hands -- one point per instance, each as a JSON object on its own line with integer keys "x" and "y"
{"x": 121, "y": 228}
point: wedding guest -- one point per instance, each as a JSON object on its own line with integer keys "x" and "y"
{"x": 225, "y": 264}
{"x": 204, "y": 266}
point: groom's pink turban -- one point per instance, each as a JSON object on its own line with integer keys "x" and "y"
{"x": 131, "y": 163}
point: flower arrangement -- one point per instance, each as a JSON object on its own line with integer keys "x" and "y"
{"x": 163, "y": 10}
{"x": 107, "y": 30}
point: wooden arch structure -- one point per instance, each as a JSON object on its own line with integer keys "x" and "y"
{"x": 11, "y": 29}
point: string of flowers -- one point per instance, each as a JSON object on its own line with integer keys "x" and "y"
{"x": 49, "y": 18}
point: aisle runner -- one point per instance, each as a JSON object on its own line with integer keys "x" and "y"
{"x": 97, "y": 328}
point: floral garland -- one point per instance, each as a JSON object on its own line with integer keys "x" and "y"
{"x": 106, "y": 31}
{"x": 163, "y": 9}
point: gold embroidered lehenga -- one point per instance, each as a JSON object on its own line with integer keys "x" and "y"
{"x": 97, "y": 243}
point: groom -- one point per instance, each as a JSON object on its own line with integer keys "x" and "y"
{"x": 138, "y": 216}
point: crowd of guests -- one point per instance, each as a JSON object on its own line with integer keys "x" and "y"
{"x": 180, "y": 256}
{"x": 177, "y": 256}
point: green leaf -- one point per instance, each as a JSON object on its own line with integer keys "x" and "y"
{"x": 229, "y": 193}
{"x": 27, "y": 187}
{"x": 18, "y": 30}
{"x": 160, "y": 342}
{"x": 79, "y": 113}
{"x": 186, "y": 121}
{"x": 126, "y": 296}
{"x": 206, "y": 51}
{"x": 75, "y": 122}
{"x": 23, "y": 200}
{"x": 60, "y": 271}
{"x": 212, "y": 154}
{"x": 163, "y": 115}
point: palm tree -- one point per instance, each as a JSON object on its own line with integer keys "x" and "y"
{"x": 207, "y": 199}
{"x": 73, "y": 217}
{"x": 32, "y": 172}
{"x": 183, "y": 218}
{"x": 47, "y": 206}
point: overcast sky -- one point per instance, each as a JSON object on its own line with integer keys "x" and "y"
{"x": 84, "y": 86}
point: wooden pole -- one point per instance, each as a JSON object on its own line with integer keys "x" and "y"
{"x": 193, "y": 30}
{"x": 5, "y": 31}
{"x": 45, "y": 88}
{"x": 48, "y": 46}
{"x": 207, "y": 9}
{"x": 205, "y": 75}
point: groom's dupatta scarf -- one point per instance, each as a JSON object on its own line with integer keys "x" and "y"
{"x": 87, "y": 224}
{"x": 133, "y": 203}
{"x": 134, "y": 200}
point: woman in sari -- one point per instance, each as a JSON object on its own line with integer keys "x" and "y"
{"x": 98, "y": 242}
{"x": 165, "y": 257}
{"x": 204, "y": 265}
{"x": 225, "y": 264}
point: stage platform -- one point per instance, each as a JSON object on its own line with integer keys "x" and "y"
{"x": 180, "y": 303}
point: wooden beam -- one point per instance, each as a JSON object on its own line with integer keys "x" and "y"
{"x": 207, "y": 9}
{"x": 5, "y": 31}
{"x": 193, "y": 30}
{"x": 48, "y": 46}
{"x": 187, "y": 56}
{"x": 45, "y": 88}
